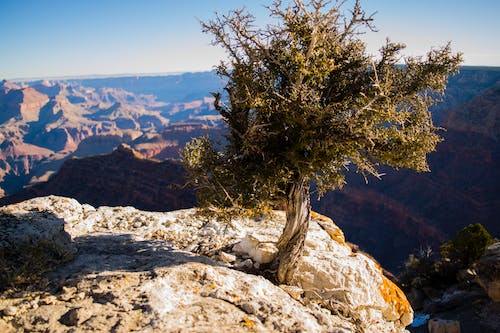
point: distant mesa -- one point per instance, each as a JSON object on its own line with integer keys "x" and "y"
{"x": 481, "y": 115}
{"x": 21, "y": 104}
{"x": 49, "y": 88}
{"x": 122, "y": 178}
{"x": 5, "y": 86}
{"x": 51, "y": 118}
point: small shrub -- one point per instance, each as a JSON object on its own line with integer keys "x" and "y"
{"x": 467, "y": 246}
{"x": 26, "y": 263}
{"x": 425, "y": 270}
{"x": 419, "y": 270}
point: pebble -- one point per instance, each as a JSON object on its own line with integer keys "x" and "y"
{"x": 10, "y": 310}
{"x": 74, "y": 316}
{"x": 67, "y": 293}
{"x": 34, "y": 305}
{"x": 68, "y": 290}
{"x": 80, "y": 296}
{"x": 295, "y": 292}
{"x": 49, "y": 300}
{"x": 70, "y": 318}
{"x": 249, "y": 308}
{"x": 246, "y": 264}
{"x": 191, "y": 248}
{"x": 227, "y": 257}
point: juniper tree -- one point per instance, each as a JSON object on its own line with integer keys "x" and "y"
{"x": 303, "y": 103}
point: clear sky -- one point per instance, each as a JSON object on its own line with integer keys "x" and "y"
{"x": 50, "y": 38}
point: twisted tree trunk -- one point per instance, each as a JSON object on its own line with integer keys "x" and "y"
{"x": 291, "y": 242}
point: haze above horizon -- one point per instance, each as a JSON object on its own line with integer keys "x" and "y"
{"x": 57, "y": 38}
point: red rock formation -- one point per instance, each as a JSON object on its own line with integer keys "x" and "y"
{"x": 54, "y": 118}
{"x": 122, "y": 178}
{"x": 481, "y": 115}
{"x": 23, "y": 103}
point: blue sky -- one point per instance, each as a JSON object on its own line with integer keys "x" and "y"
{"x": 50, "y": 38}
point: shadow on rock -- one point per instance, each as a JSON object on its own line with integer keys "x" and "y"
{"x": 35, "y": 244}
{"x": 31, "y": 244}
{"x": 122, "y": 252}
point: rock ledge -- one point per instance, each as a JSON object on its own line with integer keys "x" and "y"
{"x": 177, "y": 271}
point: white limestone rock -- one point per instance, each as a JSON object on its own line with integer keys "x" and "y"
{"x": 335, "y": 289}
{"x": 330, "y": 271}
{"x": 443, "y": 326}
{"x": 229, "y": 301}
{"x": 227, "y": 257}
{"x": 260, "y": 252}
{"x": 9, "y": 311}
{"x": 33, "y": 225}
{"x": 32, "y": 241}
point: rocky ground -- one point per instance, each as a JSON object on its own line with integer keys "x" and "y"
{"x": 122, "y": 270}
{"x": 471, "y": 305}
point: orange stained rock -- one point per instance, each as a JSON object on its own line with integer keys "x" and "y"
{"x": 331, "y": 228}
{"x": 318, "y": 216}
{"x": 247, "y": 322}
{"x": 394, "y": 296}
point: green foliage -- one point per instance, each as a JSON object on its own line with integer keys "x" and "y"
{"x": 419, "y": 269}
{"x": 467, "y": 246}
{"x": 222, "y": 189}
{"x": 425, "y": 270}
{"x": 306, "y": 102}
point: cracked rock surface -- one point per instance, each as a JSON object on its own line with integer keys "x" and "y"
{"x": 141, "y": 271}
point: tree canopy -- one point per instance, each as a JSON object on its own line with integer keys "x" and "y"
{"x": 305, "y": 102}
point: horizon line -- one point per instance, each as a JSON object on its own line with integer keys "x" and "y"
{"x": 100, "y": 76}
{"x": 173, "y": 73}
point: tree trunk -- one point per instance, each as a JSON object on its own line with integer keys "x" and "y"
{"x": 291, "y": 242}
